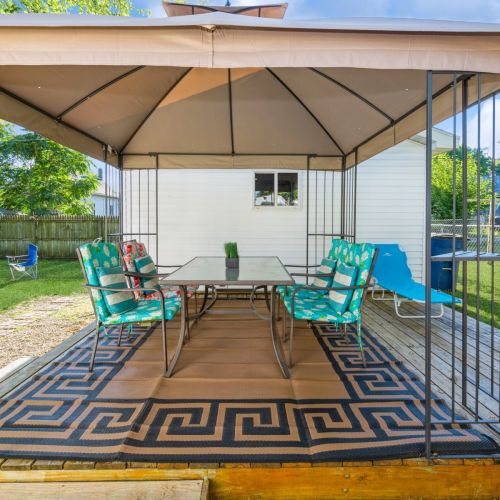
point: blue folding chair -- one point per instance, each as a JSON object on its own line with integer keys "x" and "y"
{"x": 24, "y": 265}
{"x": 393, "y": 274}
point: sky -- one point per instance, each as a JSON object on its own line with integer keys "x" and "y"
{"x": 461, "y": 10}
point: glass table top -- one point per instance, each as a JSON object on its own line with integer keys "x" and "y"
{"x": 213, "y": 271}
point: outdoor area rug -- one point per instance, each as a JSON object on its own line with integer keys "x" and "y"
{"x": 226, "y": 402}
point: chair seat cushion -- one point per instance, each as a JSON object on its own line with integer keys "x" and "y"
{"x": 317, "y": 310}
{"x": 123, "y": 299}
{"x": 304, "y": 293}
{"x": 146, "y": 310}
{"x": 345, "y": 275}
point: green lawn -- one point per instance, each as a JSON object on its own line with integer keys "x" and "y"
{"x": 484, "y": 291}
{"x": 55, "y": 277}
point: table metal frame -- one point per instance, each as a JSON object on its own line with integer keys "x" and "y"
{"x": 183, "y": 285}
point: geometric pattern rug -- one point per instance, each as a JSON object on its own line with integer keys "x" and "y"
{"x": 226, "y": 402}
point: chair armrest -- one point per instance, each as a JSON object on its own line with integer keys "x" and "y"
{"x": 328, "y": 288}
{"x": 146, "y": 276}
{"x": 325, "y": 288}
{"x": 314, "y": 275}
{"x": 142, "y": 289}
{"x": 15, "y": 257}
{"x": 172, "y": 265}
{"x": 110, "y": 289}
{"x": 302, "y": 265}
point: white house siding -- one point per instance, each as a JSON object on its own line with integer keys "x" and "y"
{"x": 201, "y": 209}
{"x": 391, "y": 201}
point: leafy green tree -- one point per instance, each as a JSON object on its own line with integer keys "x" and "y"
{"x": 442, "y": 184}
{"x": 102, "y": 7}
{"x": 39, "y": 176}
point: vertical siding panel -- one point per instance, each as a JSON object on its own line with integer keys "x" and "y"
{"x": 201, "y": 209}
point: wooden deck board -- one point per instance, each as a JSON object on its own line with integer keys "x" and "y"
{"x": 188, "y": 490}
{"x": 405, "y": 338}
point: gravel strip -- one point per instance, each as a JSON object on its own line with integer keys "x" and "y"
{"x": 34, "y": 328}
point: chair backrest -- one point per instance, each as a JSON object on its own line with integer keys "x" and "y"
{"x": 391, "y": 268}
{"x": 32, "y": 255}
{"x": 92, "y": 256}
{"x": 362, "y": 256}
{"x": 132, "y": 250}
{"x": 338, "y": 248}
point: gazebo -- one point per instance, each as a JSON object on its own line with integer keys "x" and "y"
{"x": 222, "y": 88}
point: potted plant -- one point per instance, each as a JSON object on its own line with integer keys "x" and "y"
{"x": 231, "y": 251}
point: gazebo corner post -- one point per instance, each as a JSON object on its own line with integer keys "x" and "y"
{"x": 106, "y": 190}
{"x": 465, "y": 104}
{"x": 120, "y": 195}
{"x": 478, "y": 250}
{"x": 492, "y": 245}
{"x": 308, "y": 168}
{"x": 355, "y": 203}
{"x": 342, "y": 198}
{"x": 157, "y": 165}
{"x": 428, "y": 263}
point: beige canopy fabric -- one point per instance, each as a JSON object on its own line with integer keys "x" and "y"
{"x": 231, "y": 91}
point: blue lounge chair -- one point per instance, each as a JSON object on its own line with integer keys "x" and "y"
{"x": 393, "y": 274}
{"x": 24, "y": 265}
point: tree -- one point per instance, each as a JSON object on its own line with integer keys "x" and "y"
{"x": 102, "y": 7}
{"x": 442, "y": 184}
{"x": 39, "y": 176}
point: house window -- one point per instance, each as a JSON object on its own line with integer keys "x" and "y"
{"x": 277, "y": 189}
{"x": 99, "y": 174}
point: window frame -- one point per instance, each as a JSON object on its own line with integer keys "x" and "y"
{"x": 275, "y": 172}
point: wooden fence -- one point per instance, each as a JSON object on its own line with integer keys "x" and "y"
{"x": 56, "y": 236}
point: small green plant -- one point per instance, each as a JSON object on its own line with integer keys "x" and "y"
{"x": 231, "y": 249}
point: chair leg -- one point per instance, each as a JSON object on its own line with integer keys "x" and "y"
{"x": 360, "y": 343}
{"x": 284, "y": 334}
{"x": 290, "y": 345}
{"x": 120, "y": 335}
{"x": 165, "y": 350}
{"x": 266, "y": 297}
{"x": 187, "y": 334}
{"x": 94, "y": 350}
{"x": 343, "y": 327}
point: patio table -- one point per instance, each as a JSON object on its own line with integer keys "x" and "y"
{"x": 252, "y": 271}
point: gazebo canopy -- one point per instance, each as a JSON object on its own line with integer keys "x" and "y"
{"x": 220, "y": 90}
{"x": 276, "y": 10}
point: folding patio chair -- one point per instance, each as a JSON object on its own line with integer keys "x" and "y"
{"x": 340, "y": 303}
{"x": 393, "y": 274}
{"x": 143, "y": 271}
{"x": 24, "y": 265}
{"x": 114, "y": 302}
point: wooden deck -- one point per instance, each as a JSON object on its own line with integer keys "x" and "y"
{"x": 395, "y": 478}
{"x": 405, "y": 338}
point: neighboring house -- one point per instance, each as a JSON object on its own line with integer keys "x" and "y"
{"x": 265, "y": 211}
{"x": 99, "y": 197}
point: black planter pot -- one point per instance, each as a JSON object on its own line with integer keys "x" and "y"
{"x": 232, "y": 263}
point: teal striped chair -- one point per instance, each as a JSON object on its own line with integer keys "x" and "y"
{"x": 325, "y": 271}
{"x": 114, "y": 302}
{"x": 340, "y": 303}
